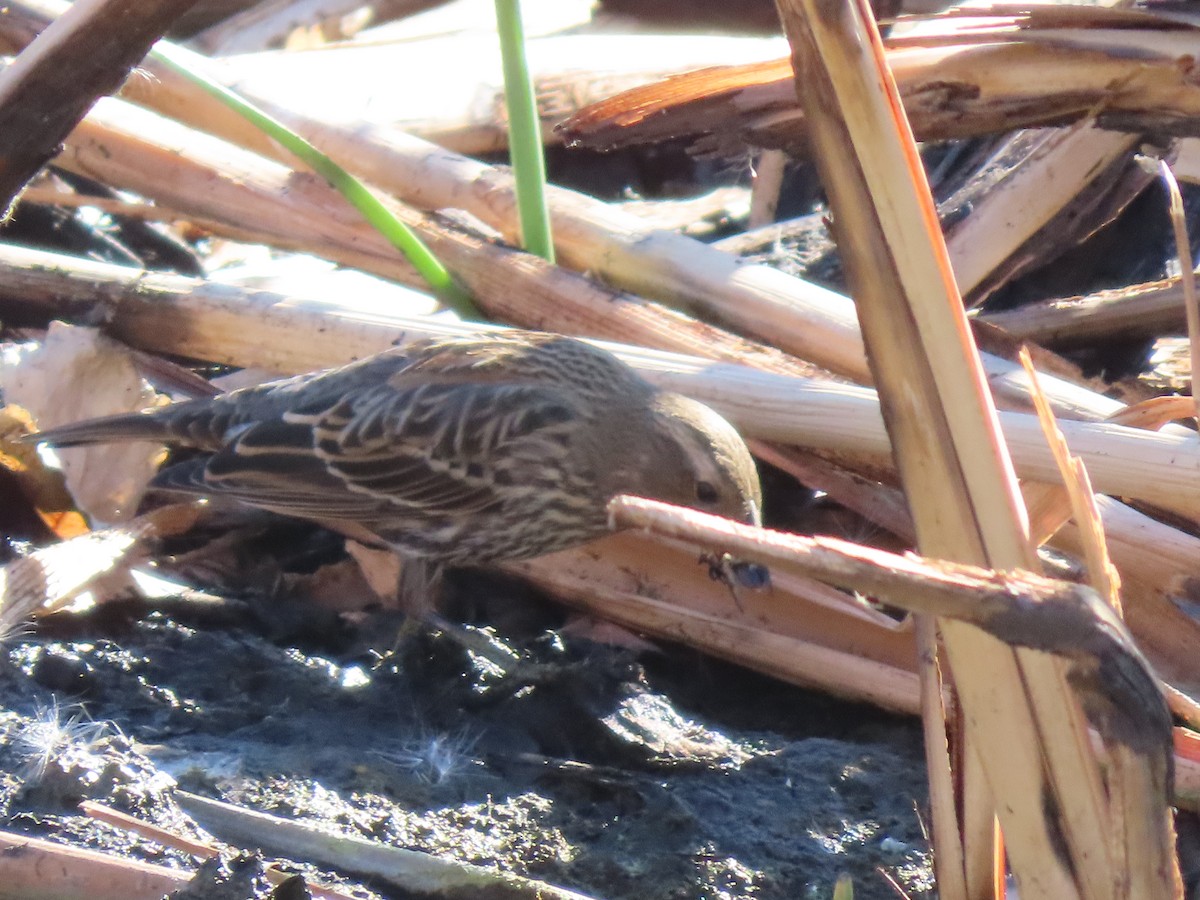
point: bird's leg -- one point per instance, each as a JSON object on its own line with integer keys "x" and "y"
{"x": 505, "y": 671}
{"x": 479, "y": 642}
{"x": 419, "y": 587}
{"x": 419, "y": 592}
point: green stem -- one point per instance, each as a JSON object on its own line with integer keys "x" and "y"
{"x": 373, "y": 210}
{"x": 524, "y": 133}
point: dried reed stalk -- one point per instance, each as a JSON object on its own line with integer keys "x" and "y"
{"x": 220, "y": 323}
{"x": 43, "y": 869}
{"x": 86, "y": 53}
{"x": 970, "y": 73}
{"x": 772, "y": 401}
{"x": 1131, "y": 313}
{"x": 597, "y": 238}
{"x": 1021, "y": 720}
{"x": 812, "y": 323}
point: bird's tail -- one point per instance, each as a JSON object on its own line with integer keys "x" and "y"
{"x": 142, "y": 426}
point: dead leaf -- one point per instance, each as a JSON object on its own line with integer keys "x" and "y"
{"x": 50, "y": 578}
{"x": 78, "y": 373}
{"x": 341, "y": 587}
{"x": 381, "y": 568}
{"x": 40, "y": 485}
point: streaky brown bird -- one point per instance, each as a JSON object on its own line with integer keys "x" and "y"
{"x": 483, "y": 448}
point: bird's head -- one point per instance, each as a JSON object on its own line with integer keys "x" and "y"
{"x": 692, "y": 457}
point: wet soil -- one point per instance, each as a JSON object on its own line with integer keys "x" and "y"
{"x": 659, "y": 774}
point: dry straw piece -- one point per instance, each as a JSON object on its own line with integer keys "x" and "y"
{"x": 1021, "y": 722}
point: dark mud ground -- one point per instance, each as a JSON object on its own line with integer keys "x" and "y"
{"x": 660, "y": 774}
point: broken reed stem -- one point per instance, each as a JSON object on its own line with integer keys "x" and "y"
{"x": 1101, "y": 573}
{"x": 219, "y": 323}
{"x": 1134, "y": 789}
{"x": 1021, "y": 714}
{"x": 768, "y": 182}
{"x": 885, "y": 228}
{"x": 1023, "y": 609}
{"x": 83, "y": 54}
{"x": 410, "y": 870}
{"x": 1064, "y": 618}
{"x": 200, "y": 849}
{"x": 1187, "y": 274}
{"x": 38, "y": 868}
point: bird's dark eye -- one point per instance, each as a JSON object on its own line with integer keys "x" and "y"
{"x": 705, "y": 492}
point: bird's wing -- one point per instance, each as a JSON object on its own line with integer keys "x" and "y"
{"x": 447, "y": 448}
{"x": 375, "y": 452}
{"x": 272, "y": 470}
{"x": 516, "y": 357}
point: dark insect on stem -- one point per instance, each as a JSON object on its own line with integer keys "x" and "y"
{"x": 735, "y": 573}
